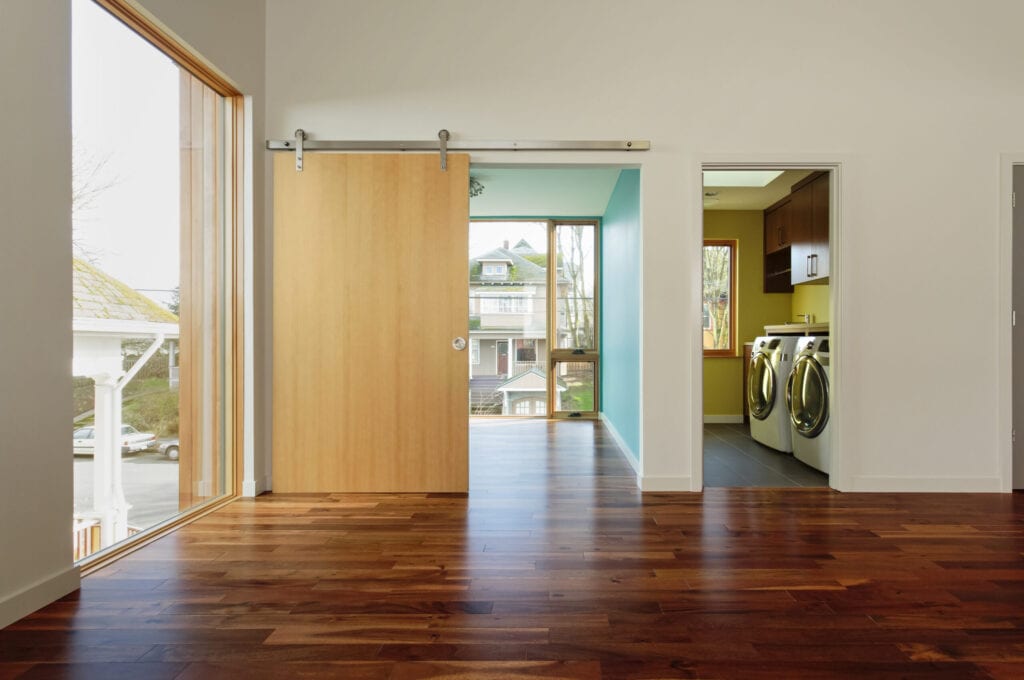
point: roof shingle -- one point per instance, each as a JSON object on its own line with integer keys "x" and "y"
{"x": 98, "y": 295}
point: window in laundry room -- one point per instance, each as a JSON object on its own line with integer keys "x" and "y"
{"x": 719, "y": 295}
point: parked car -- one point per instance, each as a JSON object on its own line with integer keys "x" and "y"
{"x": 170, "y": 449}
{"x": 131, "y": 440}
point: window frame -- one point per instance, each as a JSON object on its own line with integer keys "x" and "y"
{"x": 558, "y": 355}
{"x": 496, "y": 269}
{"x": 733, "y": 245}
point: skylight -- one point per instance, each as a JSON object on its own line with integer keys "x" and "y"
{"x": 739, "y": 178}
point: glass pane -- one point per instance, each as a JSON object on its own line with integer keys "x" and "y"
{"x": 575, "y": 278}
{"x": 761, "y": 387}
{"x": 574, "y": 386}
{"x": 717, "y": 275}
{"x": 508, "y": 318}
{"x": 149, "y": 317}
{"x": 808, "y": 397}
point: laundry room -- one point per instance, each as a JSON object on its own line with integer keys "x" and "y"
{"x": 765, "y": 327}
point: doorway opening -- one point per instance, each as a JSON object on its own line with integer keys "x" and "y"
{"x": 766, "y": 326}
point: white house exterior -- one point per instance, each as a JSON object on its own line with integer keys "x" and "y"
{"x": 507, "y": 328}
{"x": 106, "y": 313}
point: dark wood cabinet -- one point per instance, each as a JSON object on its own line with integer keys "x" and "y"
{"x": 809, "y": 212}
{"x": 819, "y": 226}
{"x": 777, "y": 258}
{"x": 777, "y": 231}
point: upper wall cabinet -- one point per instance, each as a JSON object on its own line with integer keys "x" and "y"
{"x": 809, "y": 212}
{"x": 777, "y": 231}
{"x": 777, "y": 256}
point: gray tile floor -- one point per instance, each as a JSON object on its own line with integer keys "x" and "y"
{"x": 732, "y": 458}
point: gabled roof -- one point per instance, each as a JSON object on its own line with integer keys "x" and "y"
{"x": 522, "y": 269}
{"x": 523, "y": 248}
{"x": 528, "y": 382}
{"x": 102, "y": 304}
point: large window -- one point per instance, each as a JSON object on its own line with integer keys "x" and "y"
{"x": 155, "y": 307}
{"x": 719, "y": 308}
{"x": 520, "y": 328}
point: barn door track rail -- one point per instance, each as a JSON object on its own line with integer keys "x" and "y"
{"x": 444, "y": 144}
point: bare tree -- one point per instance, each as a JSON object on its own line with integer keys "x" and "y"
{"x": 575, "y": 252}
{"x": 716, "y": 293}
{"x": 89, "y": 179}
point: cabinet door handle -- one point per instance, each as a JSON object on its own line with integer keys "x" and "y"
{"x": 814, "y": 265}
{"x": 808, "y": 266}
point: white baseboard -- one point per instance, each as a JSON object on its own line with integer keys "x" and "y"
{"x": 38, "y": 595}
{"x": 254, "y": 487}
{"x": 895, "y": 484}
{"x": 627, "y": 453}
{"x": 715, "y": 420}
{"x": 664, "y": 483}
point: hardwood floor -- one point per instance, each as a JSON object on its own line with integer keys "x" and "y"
{"x": 555, "y": 566}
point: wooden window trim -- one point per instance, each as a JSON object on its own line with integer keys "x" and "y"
{"x": 732, "y": 244}
{"x": 590, "y": 355}
{"x": 149, "y": 29}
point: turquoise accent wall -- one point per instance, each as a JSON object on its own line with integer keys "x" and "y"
{"x": 620, "y": 309}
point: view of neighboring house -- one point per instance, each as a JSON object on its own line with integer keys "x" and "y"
{"x": 107, "y": 315}
{"x": 508, "y": 331}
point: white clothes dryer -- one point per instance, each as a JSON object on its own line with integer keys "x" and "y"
{"x": 770, "y": 363}
{"x": 807, "y": 399}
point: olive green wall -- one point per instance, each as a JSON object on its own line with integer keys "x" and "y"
{"x": 723, "y": 377}
{"x": 811, "y": 299}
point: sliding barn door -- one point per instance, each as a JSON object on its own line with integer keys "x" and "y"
{"x": 370, "y": 290}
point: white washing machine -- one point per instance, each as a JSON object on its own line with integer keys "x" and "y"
{"x": 807, "y": 399}
{"x": 770, "y": 363}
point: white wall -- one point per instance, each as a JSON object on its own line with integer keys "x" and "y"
{"x": 230, "y": 35}
{"x": 36, "y": 495}
{"x": 916, "y": 99}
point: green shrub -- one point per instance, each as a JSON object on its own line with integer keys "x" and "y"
{"x": 156, "y": 412}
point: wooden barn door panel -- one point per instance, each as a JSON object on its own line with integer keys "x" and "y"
{"x": 370, "y": 289}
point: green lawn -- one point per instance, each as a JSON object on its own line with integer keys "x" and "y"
{"x": 149, "y": 405}
{"x": 578, "y": 398}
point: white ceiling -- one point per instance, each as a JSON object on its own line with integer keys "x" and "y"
{"x": 752, "y": 198}
{"x": 542, "y": 192}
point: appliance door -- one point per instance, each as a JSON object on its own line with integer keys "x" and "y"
{"x": 807, "y": 397}
{"x": 761, "y": 386}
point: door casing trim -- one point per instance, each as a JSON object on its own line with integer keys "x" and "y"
{"x": 1003, "y": 327}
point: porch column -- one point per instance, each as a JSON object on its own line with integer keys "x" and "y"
{"x": 109, "y": 504}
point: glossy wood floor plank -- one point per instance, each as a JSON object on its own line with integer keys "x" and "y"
{"x": 554, "y": 566}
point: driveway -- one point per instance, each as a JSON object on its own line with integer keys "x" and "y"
{"x": 150, "y": 485}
